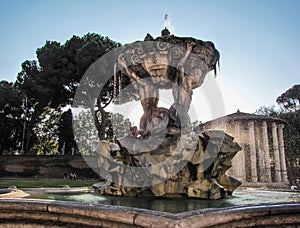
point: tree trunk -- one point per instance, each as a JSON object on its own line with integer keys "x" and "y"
{"x": 101, "y": 124}
{"x": 29, "y": 131}
{"x": 28, "y": 138}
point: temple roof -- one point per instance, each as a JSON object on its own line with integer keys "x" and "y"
{"x": 242, "y": 116}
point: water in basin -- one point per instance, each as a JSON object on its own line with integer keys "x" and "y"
{"x": 178, "y": 205}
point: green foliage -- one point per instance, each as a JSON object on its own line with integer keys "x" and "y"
{"x": 46, "y": 131}
{"x": 268, "y": 111}
{"x": 62, "y": 66}
{"x": 46, "y": 146}
{"x": 11, "y": 117}
{"x": 52, "y": 82}
{"x": 85, "y": 132}
{"x": 292, "y": 132}
{"x": 290, "y": 99}
{"x": 119, "y": 126}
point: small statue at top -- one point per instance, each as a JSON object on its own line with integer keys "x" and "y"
{"x": 165, "y": 32}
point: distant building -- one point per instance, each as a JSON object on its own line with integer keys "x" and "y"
{"x": 261, "y": 162}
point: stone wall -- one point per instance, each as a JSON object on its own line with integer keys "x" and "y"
{"x": 46, "y": 166}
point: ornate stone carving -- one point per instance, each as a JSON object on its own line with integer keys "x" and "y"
{"x": 165, "y": 136}
{"x": 167, "y": 62}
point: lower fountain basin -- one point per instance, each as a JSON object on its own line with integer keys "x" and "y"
{"x": 245, "y": 209}
{"x": 43, "y": 213}
{"x": 241, "y": 197}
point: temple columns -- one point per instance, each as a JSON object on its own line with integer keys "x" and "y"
{"x": 252, "y": 151}
{"x": 266, "y": 148}
{"x": 277, "y": 167}
{"x": 282, "y": 154}
{"x": 260, "y": 155}
{"x": 239, "y": 159}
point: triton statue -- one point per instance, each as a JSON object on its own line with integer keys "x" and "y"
{"x": 163, "y": 60}
{"x": 168, "y": 159}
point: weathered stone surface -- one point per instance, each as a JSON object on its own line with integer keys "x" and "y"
{"x": 172, "y": 159}
{"x": 167, "y": 62}
{"x": 203, "y": 176}
{"x": 12, "y": 193}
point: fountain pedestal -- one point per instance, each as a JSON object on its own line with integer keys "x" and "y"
{"x": 202, "y": 176}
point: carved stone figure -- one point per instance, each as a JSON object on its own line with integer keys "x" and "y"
{"x": 168, "y": 61}
{"x": 165, "y": 137}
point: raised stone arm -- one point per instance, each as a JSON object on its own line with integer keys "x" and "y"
{"x": 189, "y": 48}
{"x": 149, "y": 96}
{"x": 183, "y": 91}
{"x": 130, "y": 73}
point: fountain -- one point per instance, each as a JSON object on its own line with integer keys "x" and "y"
{"x": 165, "y": 157}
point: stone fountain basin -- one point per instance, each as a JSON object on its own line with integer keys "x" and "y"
{"x": 45, "y": 213}
{"x": 241, "y": 197}
{"x": 280, "y": 208}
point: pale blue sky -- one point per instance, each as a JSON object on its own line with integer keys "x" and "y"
{"x": 258, "y": 39}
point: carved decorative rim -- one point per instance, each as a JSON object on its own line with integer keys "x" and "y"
{"x": 48, "y": 213}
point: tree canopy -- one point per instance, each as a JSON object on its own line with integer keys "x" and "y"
{"x": 11, "y": 117}
{"x": 290, "y": 99}
{"x": 50, "y": 82}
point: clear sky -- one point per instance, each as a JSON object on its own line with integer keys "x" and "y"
{"x": 259, "y": 40}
